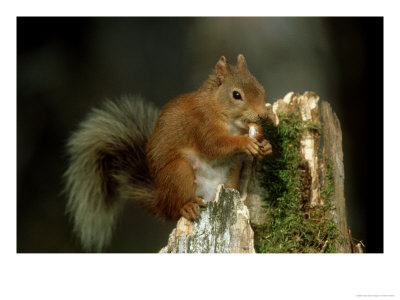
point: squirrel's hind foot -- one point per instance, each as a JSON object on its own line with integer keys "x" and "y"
{"x": 191, "y": 209}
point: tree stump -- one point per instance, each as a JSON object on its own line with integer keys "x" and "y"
{"x": 223, "y": 227}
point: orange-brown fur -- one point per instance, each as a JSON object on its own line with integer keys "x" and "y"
{"x": 201, "y": 122}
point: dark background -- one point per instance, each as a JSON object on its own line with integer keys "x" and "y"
{"x": 65, "y": 66}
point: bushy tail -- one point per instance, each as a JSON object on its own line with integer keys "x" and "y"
{"x": 108, "y": 166}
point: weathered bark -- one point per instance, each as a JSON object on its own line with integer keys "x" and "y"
{"x": 332, "y": 151}
{"x": 223, "y": 227}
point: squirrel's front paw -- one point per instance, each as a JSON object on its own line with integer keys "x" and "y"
{"x": 252, "y": 147}
{"x": 266, "y": 147}
{"x": 191, "y": 209}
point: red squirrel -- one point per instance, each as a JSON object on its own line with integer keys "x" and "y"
{"x": 169, "y": 162}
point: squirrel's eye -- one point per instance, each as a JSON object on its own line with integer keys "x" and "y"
{"x": 236, "y": 95}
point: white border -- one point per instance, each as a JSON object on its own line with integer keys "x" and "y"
{"x": 41, "y": 276}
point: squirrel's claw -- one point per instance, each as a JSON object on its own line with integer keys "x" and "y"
{"x": 254, "y": 148}
{"x": 191, "y": 210}
{"x": 266, "y": 147}
{"x": 200, "y": 202}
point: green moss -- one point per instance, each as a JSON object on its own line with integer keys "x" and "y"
{"x": 292, "y": 226}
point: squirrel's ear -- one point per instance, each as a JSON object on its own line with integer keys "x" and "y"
{"x": 221, "y": 69}
{"x": 241, "y": 62}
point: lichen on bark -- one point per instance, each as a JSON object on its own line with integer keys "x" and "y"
{"x": 223, "y": 227}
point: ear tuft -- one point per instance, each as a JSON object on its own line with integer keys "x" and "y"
{"x": 222, "y": 59}
{"x": 221, "y": 69}
{"x": 241, "y": 62}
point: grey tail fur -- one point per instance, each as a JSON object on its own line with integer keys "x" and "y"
{"x": 108, "y": 166}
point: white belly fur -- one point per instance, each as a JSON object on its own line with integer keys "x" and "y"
{"x": 209, "y": 174}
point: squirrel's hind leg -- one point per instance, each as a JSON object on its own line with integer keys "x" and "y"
{"x": 233, "y": 181}
{"x": 176, "y": 191}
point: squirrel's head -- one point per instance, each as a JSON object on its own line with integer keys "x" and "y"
{"x": 239, "y": 95}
